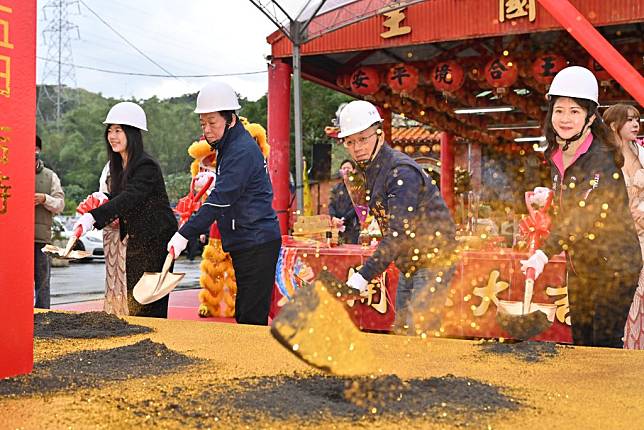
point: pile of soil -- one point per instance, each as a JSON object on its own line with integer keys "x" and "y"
{"x": 93, "y": 368}
{"x": 88, "y": 325}
{"x": 529, "y": 351}
{"x": 323, "y": 399}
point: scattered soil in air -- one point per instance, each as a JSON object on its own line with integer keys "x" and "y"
{"x": 322, "y": 399}
{"x": 87, "y": 325}
{"x": 93, "y": 368}
{"x": 529, "y": 351}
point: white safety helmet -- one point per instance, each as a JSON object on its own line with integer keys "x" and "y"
{"x": 127, "y": 113}
{"x": 216, "y": 97}
{"x": 357, "y": 116}
{"x": 575, "y": 81}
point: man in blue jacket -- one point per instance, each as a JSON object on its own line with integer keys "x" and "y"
{"x": 418, "y": 230}
{"x": 240, "y": 201}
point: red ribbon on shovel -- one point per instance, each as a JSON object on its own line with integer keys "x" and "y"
{"x": 191, "y": 203}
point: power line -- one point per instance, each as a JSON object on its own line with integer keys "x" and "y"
{"x": 152, "y": 75}
{"x": 128, "y": 42}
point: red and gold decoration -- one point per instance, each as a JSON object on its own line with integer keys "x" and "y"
{"x": 402, "y": 78}
{"x": 501, "y": 72}
{"x": 365, "y": 81}
{"x": 546, "y": 66}
{"x": 447, "y": 76}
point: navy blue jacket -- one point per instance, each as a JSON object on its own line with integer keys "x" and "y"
{"x": 418, "y": 230}
{"x": 241, "y": 201}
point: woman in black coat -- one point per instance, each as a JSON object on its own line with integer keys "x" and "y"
{"x": 592, "y": 223}
{"x": 138, "y": 199}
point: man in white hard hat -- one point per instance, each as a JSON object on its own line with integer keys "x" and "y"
{"x": 240, "y": 202}
{"x": 418, "y": 230}
{"x": 593, "y": 223}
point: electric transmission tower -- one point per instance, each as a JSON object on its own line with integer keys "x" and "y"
{"x": 58, "y": 69}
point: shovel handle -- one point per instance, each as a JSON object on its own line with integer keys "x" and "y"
{"x": 78, "y": 231}
{"x": 528, "y": 290}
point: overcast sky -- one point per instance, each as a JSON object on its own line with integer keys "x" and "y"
{"x": 185, "y": 37}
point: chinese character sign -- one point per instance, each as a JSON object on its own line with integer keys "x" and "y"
{"x": 393, "y": 24}
{"x": 17, "y": 141}
{"x": 512, "y": 9}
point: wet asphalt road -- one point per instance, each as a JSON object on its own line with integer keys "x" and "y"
{"x": 86, "y": 281}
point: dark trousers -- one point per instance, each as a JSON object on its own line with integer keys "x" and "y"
{"x": 42, "y": 271}
{"x": 255, "y": 276}
{"x": 142, "y": 257}
{"x": 420, "y": 300}
{"x": 599, "y": 308}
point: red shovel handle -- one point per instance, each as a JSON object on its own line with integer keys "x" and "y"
{"x": 78, "y": 231}
{"x": 530, "y": 273}
{"x": 203, "y": 189}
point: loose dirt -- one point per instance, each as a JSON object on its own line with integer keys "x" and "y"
{"x": 88, "y": 325}
{"x": 529, "y": 351}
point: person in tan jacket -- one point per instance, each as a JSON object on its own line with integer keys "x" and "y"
{"x": 49, "y": 200}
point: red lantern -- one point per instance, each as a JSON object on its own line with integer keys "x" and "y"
{"x": 447, "y": 76}
{"x": 402, "y": 78}
{"x": 600, "y": 73}
{"x": 365, "y": 81}
{"x": 501, "y": 72}
{"x": 546, "y": 66}
{"x": 342, "y": 80}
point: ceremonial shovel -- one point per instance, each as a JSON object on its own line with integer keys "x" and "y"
{"x": 316, "y": 327}
{"x": 524, "y": 320}
{"x": 152, "y": 286}
{"x": 67, "y": 253}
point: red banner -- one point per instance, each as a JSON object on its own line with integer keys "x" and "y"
{"x": 482, "y": 280}
{"x": 17, "y": 142}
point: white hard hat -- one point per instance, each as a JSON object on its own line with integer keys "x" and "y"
{"x": 575, "y": 81}
{"x": 357, "y": 116}
{"x": 216, "y": 97}
{"x": 127, "y": 113}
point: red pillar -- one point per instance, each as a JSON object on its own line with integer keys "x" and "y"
{"x": 17, "y": 143}
{"x": 447, "y": 169}
{"x": 279, "y": 137}
{"x": 597, "y": 46}
{"x": 386, "y": 125}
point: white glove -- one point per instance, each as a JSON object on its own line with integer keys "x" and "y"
{"x": 540, "y": 196}
{"x": 86, "y": 222}
{"x": 202, "y": 179}
{"x": 537, "y": 261}
{"x": 101, "y": 196}
{"x": 356, "y": 281}
{"x": 177, "y": 244}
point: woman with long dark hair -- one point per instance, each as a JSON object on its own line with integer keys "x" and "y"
{"x": 138, "y": 199}
{"x": 592, "y": 223}
{"x": 624, "y": 121}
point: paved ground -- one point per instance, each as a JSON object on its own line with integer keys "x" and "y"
{"x": 80, "y": 282}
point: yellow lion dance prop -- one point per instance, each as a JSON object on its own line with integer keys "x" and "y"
{"x": 218, "y": 286}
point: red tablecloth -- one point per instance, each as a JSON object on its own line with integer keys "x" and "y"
{"x": 482, "y": 279}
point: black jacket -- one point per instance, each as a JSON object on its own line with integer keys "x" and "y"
{"x": 242, "y": 200}
{"x": 592, "y": 219}
{"x": 341, "y": 206}
{"x": 142, "y": 207}
{"x": 418, "y": 230}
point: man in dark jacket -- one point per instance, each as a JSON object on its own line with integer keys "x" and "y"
{"x": 418, "y": 230}
{"x": 341, "y": 208}
{"x": 240, "y": 202}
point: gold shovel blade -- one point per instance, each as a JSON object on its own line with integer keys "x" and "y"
{"x": 316, "y": 328}
{"x": 153, "y": 286}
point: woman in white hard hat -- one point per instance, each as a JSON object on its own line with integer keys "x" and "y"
{"x": 624, "y": 120}
{"x": 241, "y": 202}
{"x": 592, "y": 223}
{"x": 138, "y": 199}
{"x": 418, "y": 230}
